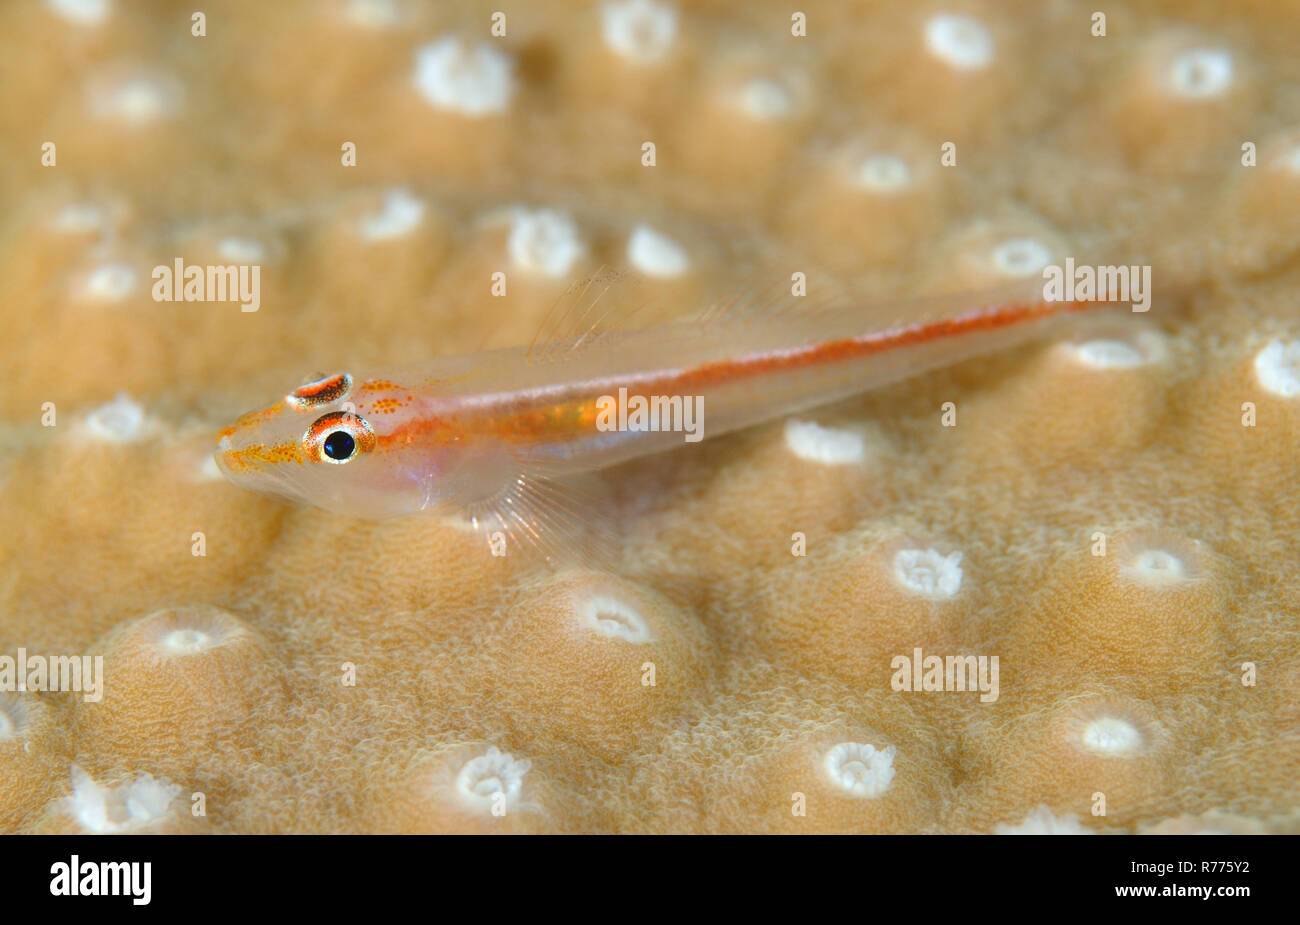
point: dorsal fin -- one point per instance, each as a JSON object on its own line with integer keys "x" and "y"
{"x": 588, "y": 309}
{"x": 769, "y": 296}
{"x": 612, "y": 300}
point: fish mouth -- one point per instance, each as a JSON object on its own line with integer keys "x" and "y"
{"x": 228, "y": 462}
{"x": 225, "y": 458}
{"x": 247, "y": 458}
{"x": 261, "y": 477}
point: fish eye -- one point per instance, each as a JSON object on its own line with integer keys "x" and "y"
{"x": 339, "y": 446}
{"x": 338, "y": 437}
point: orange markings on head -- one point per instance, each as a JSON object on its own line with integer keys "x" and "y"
{"x": 252, "y": 417}
{"x": 320, "y": 392}
{"x": 250, "y": 458}
{"x": 376, "y": 385}
{"x": 386, "y": 405}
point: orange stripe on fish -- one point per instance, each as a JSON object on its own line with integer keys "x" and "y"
{"x": 464, "y": 429}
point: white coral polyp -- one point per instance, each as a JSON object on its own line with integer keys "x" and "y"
{"x": 1277, "y": 368}
{"x": 640, "y": 31}
{"x": 186, "y": 641}
{"x": 1200, "y": 73}
{"x": 130, "y": 806}
{"x": 82, "y": 12}
{"x": 135, "y": 98}
{"x": 1290, "y": 160}
{"x": 884, "y": 174}
{"x": 400, "y": 215}
{"x": 119, "y": 421}
{"x": 494, "y": 772}
{"x": 1109, "y": 354}
{"x": 208, "y": 470}
{"x": 472, "y": 81}
{"x": 764, "y": 99}
{"x": 240, "y": 249}
{"x": 962, "y": 42}
{"x": 860, "y": 770}
{"x": 80, "y": 218}
{"x": 544, "y": 241}
{"x": 929, "y": 572}
{"x": 13, "y": 717}
{"x": 373, "y": 14}
{"x": 830, "y": 446}
{"x": 189, "y": 631}
{"x": 1021, "y": 257}
{"x": 655, "y": 254}
{"x": 1042, "y": 822}
{"x": 108, "y": 282}
{"x": 1156, "y": 567}
{"x": 612, "y": 617}
{"x": 1110, "y": 735}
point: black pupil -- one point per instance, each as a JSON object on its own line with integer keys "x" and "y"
{"x": 339, "y": 445}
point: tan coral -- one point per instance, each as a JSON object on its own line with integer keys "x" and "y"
{"x": 33, "y": 753}
{"x": 1151, "y": 605}
{"x": 472, "y": 788}
{"x": 134, "y": 804}
{"x": 179, "y": 676}
{"x": 637, "y": 659}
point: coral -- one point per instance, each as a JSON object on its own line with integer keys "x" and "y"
{"x": 141, "y": 804}
{"x": 860, "y": 770}
{"x": 1042, "y": 822}
{"x": 1111, "y": 510}
{"x": 180, "y": 678}
{"x": 471, "y": 81}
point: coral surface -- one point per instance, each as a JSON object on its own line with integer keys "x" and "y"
{"x": 1113, "y": 513}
